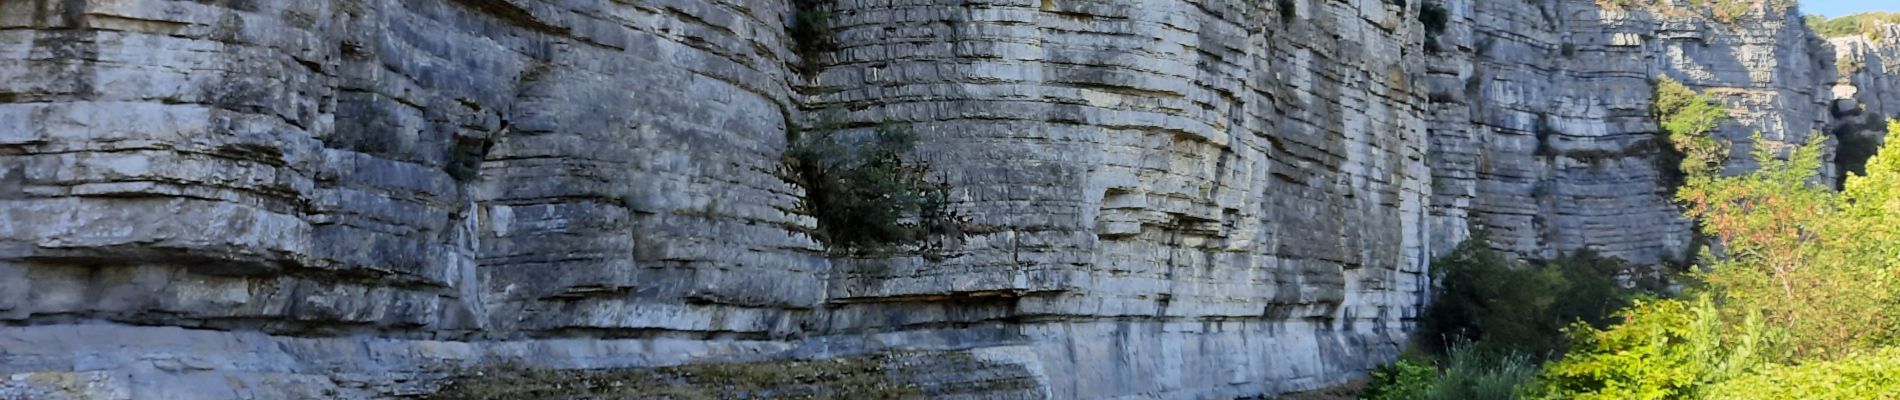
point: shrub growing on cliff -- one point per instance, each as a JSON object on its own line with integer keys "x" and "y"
{"x": 1688, "y": 120}
{"x": 863, "y": 193}
{"x": 1486, "y": 297}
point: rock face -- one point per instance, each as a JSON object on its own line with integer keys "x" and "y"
{"x": 1865, "y": 95}
{"x": 1160, "y": 199}
{"x": 358, "y": 198}
{"x": 1541, "y": 132}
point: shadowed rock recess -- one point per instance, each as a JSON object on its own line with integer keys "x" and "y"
{"x": 1173, "y": 199}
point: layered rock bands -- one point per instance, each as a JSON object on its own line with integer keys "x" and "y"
{"x": 1157, "y": 198}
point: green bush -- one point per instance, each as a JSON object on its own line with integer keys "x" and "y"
{"x": 1485, "y": 297}
{"x": 1664, "y": 349}
{"x": 1406, "y": 379}
{"x": 1688, "y": 120}
{"x": 1871, "y": 376}
{"x": 1469, "y": 373}
{"x": 1474, "y": 374}
{"x": 1489, "y": 299}
{"x": 863, "y": 193}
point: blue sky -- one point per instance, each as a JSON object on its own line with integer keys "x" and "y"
{"x": 1835, "y": 8}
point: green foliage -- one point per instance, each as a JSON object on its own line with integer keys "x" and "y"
{"x": 1473, "y": 374}
{"x": 1872, "y": 376}
{"x": 1688, "y": 119}
{"x": 1817, "y": 262}
{"x": 863, "y": 193}
{"x": 1287, "y": 9}
{"x": 1804, "y": 289}
{"x": 1487, "y": 298}
{"x": 1869, "y": 24}
{"x": 1406, "y": 379}
{"x": 1469, "y": 373}
{"x": 1596, "y": 288}
{"x": 1664, "y": 349}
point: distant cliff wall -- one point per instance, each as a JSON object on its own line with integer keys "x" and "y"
{"x": 1541, "y": 126}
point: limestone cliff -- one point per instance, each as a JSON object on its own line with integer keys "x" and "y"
{"x": 1864, "y": 96}
{"x": 1541, "y": 132}
{"x": 359, "y": 198}
{"x": 1158, "y": 199}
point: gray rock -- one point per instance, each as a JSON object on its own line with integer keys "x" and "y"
{"x": 1541, "y": 132}
{"x": 1162, "y": 199}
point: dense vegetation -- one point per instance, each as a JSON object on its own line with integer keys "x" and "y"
{"x": 1799, "y": 297}
{"x": 1870, "y": 24}
{"x": 1468, "y": 373}
{"x": 1506, "y": 306}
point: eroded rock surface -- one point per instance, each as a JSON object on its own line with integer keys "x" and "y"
{"x": 358, "y": 197}
{"x": 1541, "y": 125}
{"x": 1157, "y": 199}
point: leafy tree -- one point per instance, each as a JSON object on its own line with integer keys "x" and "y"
{"x": 1794, "y": 300}
{"x": 1817, "y": 262}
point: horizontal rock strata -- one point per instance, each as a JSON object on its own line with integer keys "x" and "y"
{"x": 1154, "y": 199}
